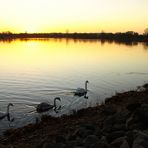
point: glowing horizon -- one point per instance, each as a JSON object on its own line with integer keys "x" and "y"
{"x": 73, "y": 15}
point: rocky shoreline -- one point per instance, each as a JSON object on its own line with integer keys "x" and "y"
{"x": 120, "y": 122}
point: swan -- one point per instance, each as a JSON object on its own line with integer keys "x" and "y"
{"x": 81, "y": 91}
{"x": 7, "y": 114}
{"x": 44, "y": 106}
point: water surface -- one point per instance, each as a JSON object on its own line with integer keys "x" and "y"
{"x": 33, "y": 71}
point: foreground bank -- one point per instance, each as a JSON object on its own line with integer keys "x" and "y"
{"x": 121, "y": 122}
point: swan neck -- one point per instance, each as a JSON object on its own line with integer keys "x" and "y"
{"x": 8, "y": 109}
{"x": 55, "y": 105}
{"x": 86, "y": 86}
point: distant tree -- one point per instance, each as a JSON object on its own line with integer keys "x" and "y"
{"x": 146, "y": 31}
{"x": 7, "y": 32}
{"x": 131, "y": 33}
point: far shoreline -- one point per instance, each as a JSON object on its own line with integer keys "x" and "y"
{"x": 129, "y": 36}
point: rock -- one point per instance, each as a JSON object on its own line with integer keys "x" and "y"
{"x": 142, "y": 113}
{"x": 104, "y": 139}
{"x": 79, "y": 142}
{"x": 72, "y": 137}
{"x": 60, "y": 139}
{"x": 48, "y": 145}
{"x": 118, "y": 142}
{"x": 145, "y": 104}
{"x": 130, "y": 122}
{"x": 125, "y": 144}
{"x": 145, "y": 86}
{"x": 2, "y": 146}
{"x": 141, "y": 141}
{"x": 140, "y": 89}
{"x": 59, "y": 145}
{"x": 89, "y": 126}
{"x": 134, "y": 122}
{"x": 90, "y": 140}
{"x": 83, "y": 132}
{"x": 133, "y": 106}
{"x": 119, "y": 127}
{"x": 130, "y": 138}
{"x": 98, "y": 133}
{"x": 71, "y": 144}
{"x": 108, "y": 123}
{"x": 114, "y": 135}
{"x": 108, "y": 110}
{"x": 101, "y": 144}
{"x": 118, "y": 118}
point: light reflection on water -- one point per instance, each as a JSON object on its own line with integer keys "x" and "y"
{"x": 32, "y": 71}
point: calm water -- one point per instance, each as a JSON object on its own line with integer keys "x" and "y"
{"x": 33, "y": 71}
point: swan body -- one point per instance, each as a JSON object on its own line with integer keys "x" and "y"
{"x": 81, "y": 91}
{"x": 7, "y": 114}
{"x": 44, "y": 106}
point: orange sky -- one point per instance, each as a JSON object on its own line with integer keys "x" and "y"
{"x": 73, "y": 15}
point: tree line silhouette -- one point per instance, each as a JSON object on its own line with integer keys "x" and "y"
{"x": 129, "y": 36}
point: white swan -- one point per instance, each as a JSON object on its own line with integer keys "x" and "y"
{"x": 81, "y": 91}
{"x": 44, "y": 106}
{"x": 7, "y": 114}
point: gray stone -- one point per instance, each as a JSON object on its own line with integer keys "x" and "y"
{"x": 130, "y": 138}
{"x": 47, "y": 145}
{"x": 118, "y": 142}
{"x": 71, "y": 144}
{"x": 133, "y": 106}
{"x": 133, "y": 122}
{"x": 119, "y": 127}
{"x": 83, "y": 132}
{"x": 59, "y": 145}
{"x": 88, "y": 126}
{"x": 145, "y": 86}
{"x": 98, "y": 133}
{"x": 125, "y": 144}
{"x": 2, "y": 146}
{"x": 141, "y": 141}
{"x": 79, "y": 142}
{"x": 114, "y": 135}
{"x": 60, "y": 139}
{"x": 118, "y": 118}
{"x": 101, "y": 144}
{"x": 90, "y": 140}
{"x": 142, "y": 113}
{"x": 108, "y": 110}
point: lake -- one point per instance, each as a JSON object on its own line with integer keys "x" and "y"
{"x": 38, "y": 70}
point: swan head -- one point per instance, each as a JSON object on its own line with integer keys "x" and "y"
{"x": 57, "y": 98}
{"x": 10, "y": 104}
{"x": 86, "y": 81}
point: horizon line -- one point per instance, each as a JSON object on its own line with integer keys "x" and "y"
{"x": 67, "y": 32}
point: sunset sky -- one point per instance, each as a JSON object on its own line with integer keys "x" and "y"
{"x": 73, "y": 15}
